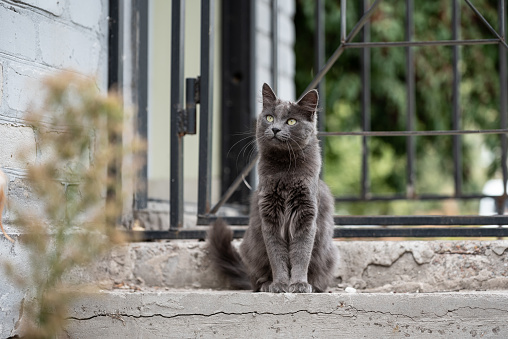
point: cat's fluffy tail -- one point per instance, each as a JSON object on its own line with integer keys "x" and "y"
{"x": 225, "y": 257}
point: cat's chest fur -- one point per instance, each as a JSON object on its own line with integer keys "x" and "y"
{"x": 281, "y": 199}
{"x": 286, "y": 187}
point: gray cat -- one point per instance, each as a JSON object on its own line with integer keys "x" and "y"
{"x": 288, "y": 246}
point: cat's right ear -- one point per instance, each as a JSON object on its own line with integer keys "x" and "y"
{"x": 309, "y": 102}
{"x": 269, "y": 97}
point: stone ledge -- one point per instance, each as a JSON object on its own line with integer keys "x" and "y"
{"x": 374, "y": 266}
{"x": 206, "y": 314}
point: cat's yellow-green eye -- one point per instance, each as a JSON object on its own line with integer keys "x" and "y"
{"x": 291, "y": 122}
{"x": 269, "y": 118}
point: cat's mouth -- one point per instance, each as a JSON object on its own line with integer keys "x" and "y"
{"x": 276, "y": 138}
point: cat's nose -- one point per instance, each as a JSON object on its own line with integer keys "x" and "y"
{"x": 275, "y": 130}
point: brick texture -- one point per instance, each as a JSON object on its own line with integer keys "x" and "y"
{"x": 18, "y": 37}
{"x": 285, "y": 42}
{"x": 13, "y": 139}
{"x": 38, "y": 38}
{"x": 86, "y": 13}
{"x": 69, "y": 48}
{"x": 1, "y": 83}
{"x": 23, "y": 84}
{"x": 55, "y": 7}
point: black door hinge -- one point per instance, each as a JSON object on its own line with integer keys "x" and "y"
{"x": 188, "y": 114}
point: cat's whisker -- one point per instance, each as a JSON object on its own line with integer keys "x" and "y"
{"x": 231, "y": 148}
{"x": 252, "y": 146}
{"x": 289, "y": 152}
{"x": 251, "y": 133}
{"x": 294, "y": 155}
{"x": 244, "y": 148}
{"x": 303, "y": 140}
{"x": 301, "y": 149}
{"x": 252, "y": 152}
{"x": 296, "y": 136}
{"x": 252, "y": 142}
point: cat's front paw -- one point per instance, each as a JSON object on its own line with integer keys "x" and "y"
{"x": 265, "y": 287}
{"x": 300, "y": 287}
{"x": 278, "y": 287}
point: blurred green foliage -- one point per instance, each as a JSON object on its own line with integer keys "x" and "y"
{"x": 479, "y": 102}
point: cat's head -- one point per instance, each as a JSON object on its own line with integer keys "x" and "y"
{"x": 283, "y": 122}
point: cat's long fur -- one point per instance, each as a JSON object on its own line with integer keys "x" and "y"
{"x": 288, "y": 246}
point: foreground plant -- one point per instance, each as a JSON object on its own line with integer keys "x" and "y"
{"x": 80, "y": 209}
{"x": 3, "y": 187}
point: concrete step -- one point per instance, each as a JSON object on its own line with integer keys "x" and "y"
{"x": 234, "y": 314}
{"x": 373, "y": 266}
{"x": 160, "y": 270}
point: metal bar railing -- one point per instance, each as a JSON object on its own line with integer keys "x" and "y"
{"x": 251, "y": 164}
{"x": 414, "y": 133}
{"x": 176, "y": 138}
{"x": 393, "y": 220}
{"x": 343, "y": 232}
{"x": 343, "y": 11}
{"x": 456, "y": 114}
{"x": 486, "y": 23}
{"x": 366, "y": 98}
{"x": 275, "y": 46}
{"x": 206, "y": 105}
{"x": 415, "y": 197}
{"x": 503, "y": 86}
{"x": 229, "y": 192}
{"x": 207, "y": 215}
{"x": 142, "y": 14}
{"x": 469, "y": 42}
{"x": 410, "y": 94}
{"x": 338, "y": 52}
{"x": 317, "y": 79}
{"x": 319, "y": 61}
{"x": 115, "y": 64}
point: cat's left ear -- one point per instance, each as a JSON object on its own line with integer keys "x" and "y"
{"x": 269, "y": 97}
{"x": 309, "y": 102}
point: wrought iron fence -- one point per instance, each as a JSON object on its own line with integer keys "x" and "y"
{"x": 199, "y": 91}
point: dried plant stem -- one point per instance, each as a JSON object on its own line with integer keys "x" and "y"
{"x": 74, "y": 223}
{"x": 3, "y": 186}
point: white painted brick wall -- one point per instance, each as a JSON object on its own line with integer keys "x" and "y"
{"x": 15, "y": 138}
{"x": 67, "y": 48}
{"x": 86, "y": 13}
{"x": 264, "y": 54}
{"x": 39, "y": 38}
{"x": 22, "y": 86}
{"x": 287, "y": 7}
{"x": 18, "y": 33}
{"x": 55, "y": 7}
{"x": 286, "y": 58}
{"x": 264, "y": 17}
{"x": 286, "y": 30}
{"x": 1, "y": 83}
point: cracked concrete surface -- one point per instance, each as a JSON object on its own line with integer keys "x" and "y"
{"x": 418, "y": 266}
{"x": 169, "y": 289}
{"x": 375, "y": 266}
{"x": 206, "y": 314}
